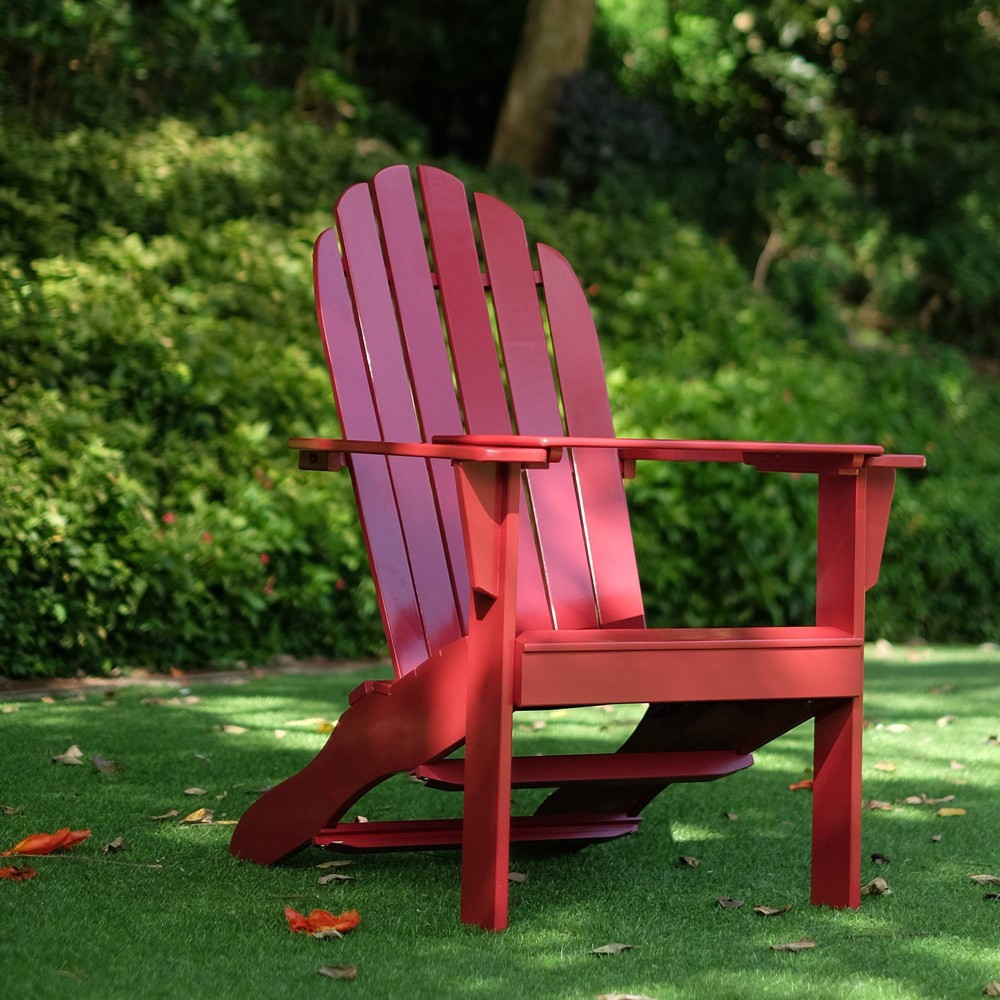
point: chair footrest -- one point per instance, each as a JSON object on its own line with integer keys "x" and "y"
{"x": 446, "y": 833}
{"x": 620, "y": 768}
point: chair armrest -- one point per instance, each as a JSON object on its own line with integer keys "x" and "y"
{"x": 328, "y": 454}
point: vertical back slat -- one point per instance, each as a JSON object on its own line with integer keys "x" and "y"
{"x": 588, "y": 414}
{"x": 390, "y": 387}
{"x": 426, "y": 351}
{"x": 477, "y": 368}
{"x": 370, "y": 474}
{"x": 526, "y": 359}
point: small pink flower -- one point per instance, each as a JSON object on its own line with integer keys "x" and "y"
{"x": 264, "y": 558}
{"x": 340, "y": 583}
{"x": 168, "y": 518}
{"x": 206, "y": 537}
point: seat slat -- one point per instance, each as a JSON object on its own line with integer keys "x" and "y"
{"x": 588, "y": 413}
{"x": 524, "y": 345}
{"x": 477, "y": 367}
{"x": 426, "y": 351}
{"x": 418, "y": 516}
{"x": 370, "y": 473}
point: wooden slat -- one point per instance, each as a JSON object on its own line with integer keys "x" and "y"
{"x": 477, "y": 368}
{"x": 370, "y": 474}
{"x": 588, "y": 414}
{"x": 426, "y": 350}
{"x": 375, "y": 312}
{"x": 552, "y": 491}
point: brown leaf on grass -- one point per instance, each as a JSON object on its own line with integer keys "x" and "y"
{"x": 333, "y": 864}
{"x": 114, "y": 846}
{"x": 106, "y": 766}
{"x": 9, "y": 709}
{"x": 946, "y": 720}
{"x": 947, "y": 811}
{"x": 45, "y": 843}
{"x": 74, "y": 755}
{"x": 898, "y": 727}
{"x": 804, "y": 945}
{"x": 519, "y": 877}
{"x": 801, "y": 786}
{"x": 14, "y": 874}
{"x": 880, "y": 859}
{"x": 334, "y": 877}
{"x": 339, "y": 971}
{"x": 992, "y": 989}
{"x": 876, "y": 887}
{"x": 314, "y": 721}
{"x": 195, "y": 791}
{"x": 234, "y": 730}
{"x": 166, "y": 815}
{"x": 615, "y": 948}
{"x": 941, "y": 689}
{"x": 985, "y": 879}
{"x": 686, "y": 861}
{"x": 937, "y": 802}
{"x": 179, "y": 700}
{"x": 772, "y": 911}
{"x": 225, "y": 822}
{"x": 727, "y": 903}
{"x": 11, "y": 810}
{"x": 324, "y": 727}
{"x": 885, "y": 765}
{"x": 878, "y": 804}
{"x": 731, "y": 816}
{"x": 936, "y": 838}
{"x": 199, "y": 816}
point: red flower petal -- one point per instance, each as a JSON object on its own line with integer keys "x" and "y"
{"x": 801, "y": 786}
{"x": 15, "y": 874}
{"x": 46, "y": 843}
{"x": 321, "y": 920}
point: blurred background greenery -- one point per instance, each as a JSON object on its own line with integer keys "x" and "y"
{"x": 786, "y": 214}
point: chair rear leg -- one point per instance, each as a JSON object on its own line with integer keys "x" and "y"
{"x": 836, "y": 825}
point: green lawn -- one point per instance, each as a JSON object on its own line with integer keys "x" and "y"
{"x": 174, "y": 916}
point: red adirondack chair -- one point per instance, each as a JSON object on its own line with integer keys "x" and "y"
{"x": 509, "y": 581}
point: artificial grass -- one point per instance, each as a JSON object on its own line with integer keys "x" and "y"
{"x": 175, "y": 916}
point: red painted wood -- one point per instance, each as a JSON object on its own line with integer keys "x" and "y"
{"x": 473, "y": 351}
{"x": 552, "y": 493}
{"x": 679, "y": 671}
{"x": 614, "y": 574}
{"x": 372, "y": 484}
{"x": 840, "y": 553}
{"x": 626, "y": 768}
{"x": 426, "y": 351}
{"x": 447, "y": 833}
{"x": 881, "y": 482}
{"x": 836, "y": 797}
{"x": 390, "y": 387}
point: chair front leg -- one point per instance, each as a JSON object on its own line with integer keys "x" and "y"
{"x": 836, "y": 821}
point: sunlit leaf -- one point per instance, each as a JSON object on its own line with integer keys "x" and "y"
{"x": 948, "y": 811}
{"x": 11, "y": 810}
{"x": 46, "y": 843}
{"x": 801, "y": 786}
{"x": 879, "y": 805}
{"x": 946, "y": 720}
{"x": 234, "y": 730}
{"x": 804, "y": 945}
{"x": 686, "y": 861}
{"x": 74, "y": 755}
{"x": 166, "y": 815}
{"x": 885, "y": 765}
{"x": 517, "y": 876}
{"x": 615, "y": 948}
{"x": 195, "y": 791}
{"x": 985, "y": 879}
{"x": 339, "y": 971}
{"x": 772, "y": 911}
{"x": 324, "y": 727}
{"x": 199, "y": 816}
{"x": 992, "y": 989}
{"x": 15, "y": 874}
{"x": 876, "y": 887}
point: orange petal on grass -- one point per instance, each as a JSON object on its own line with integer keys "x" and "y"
{"x": 801, "y": 786}
{"x": 15, "y": 874}
{"x": 321, "y": 921}
{"x": 46, "y": 843}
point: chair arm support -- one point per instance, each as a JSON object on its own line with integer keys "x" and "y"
{"x": 330, "y": 454}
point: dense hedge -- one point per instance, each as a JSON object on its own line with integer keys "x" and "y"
{"x": 160, "y": 345}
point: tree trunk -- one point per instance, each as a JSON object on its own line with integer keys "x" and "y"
{"x": 553, "y": 46}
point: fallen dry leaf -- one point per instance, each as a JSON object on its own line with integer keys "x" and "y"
{"x": 202, "y": 816}
{"x": 188, "y": 699}
{"x": 517, "y": 876}
{"x": 878, "y": 804}
{"x": 937, "y": 802}
{"x": 941, "y": 689}
{"x": 732, "y": 817}
{"x": 616, "y": 948}
{"x": 235, "y": 730}
{"x": 804, "y": 945}
{"x": 946, "y": 720}
{"x": 801, "y": 786}
{"x": 622, "y": 996}
{"x": 114, "y": 846}
{"x": 727, "y": 903}
{"x": 334, "y": 877}
{"x": 992, "y": 989}
{"x": 885, "y": 765}
{"x": 11, "y": 810}
{"x": 225, "y": 822}
{"x": 15, "y": 874}
{"x": 321, "y": 923}
{"x": 772, "y": 911}
{"x": 339, "y": 971}
{"x": 898, "y": 727}
{"x": 686, "y": 861}
{"x": 957, "y": 765}
{"x": 195, "y": 791}
{"x": 46, "y": 843}
{"x": 74, "y": 755}
{"x": 333, "y": 864}
{"x": 985, "y": 879}
{"x": 324, "y": 727}
{"x": 166, "y": 815}
{"x": 106, "y": 766}
{"x": 876, "y": 887}
{"x": 314, "y": 721}
{"x": 880, "y": 859}
{"x": 947, "y": 811}
{"x": 280, "y": 734}
{"x": 936, "y": 838}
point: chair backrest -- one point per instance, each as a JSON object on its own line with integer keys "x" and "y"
{"x": 468, "y": 347}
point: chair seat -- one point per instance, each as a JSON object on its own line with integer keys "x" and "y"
{"x": 606, "y": 666}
